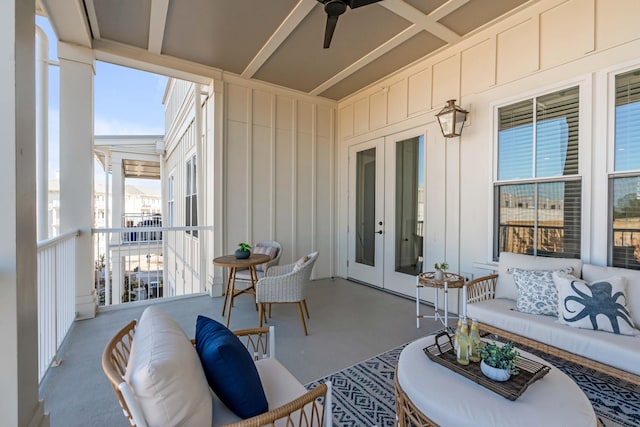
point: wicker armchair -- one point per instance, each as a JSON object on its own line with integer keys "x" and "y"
{"x": 285, "y": 284}
{"x": 311, "y": 409}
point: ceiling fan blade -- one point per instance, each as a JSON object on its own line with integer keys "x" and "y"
{"x": 358, "y": 3}
{"x": 332, "y": 20}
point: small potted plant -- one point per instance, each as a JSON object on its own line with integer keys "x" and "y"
{"x": 499, "y": 362}
{"x": 243, "y": 251}
{"x": 440, "y": 269}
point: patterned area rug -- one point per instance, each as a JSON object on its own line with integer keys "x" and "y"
{"x": 363, "y": 393}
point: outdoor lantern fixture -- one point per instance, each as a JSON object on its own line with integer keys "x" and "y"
{"x": 451, "y": 119}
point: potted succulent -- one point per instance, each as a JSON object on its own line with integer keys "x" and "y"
{"x": 499, "y": 362}
{"x": 440, "y": 269}
{"x": 243, "y": 251}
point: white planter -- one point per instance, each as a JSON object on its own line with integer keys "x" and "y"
{"x": 494, "y": 373}
{"x": 438, "y": 275}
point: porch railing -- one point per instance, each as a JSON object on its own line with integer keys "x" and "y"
{"x": 56, "y": 296}
{"x": 150, "y": 262}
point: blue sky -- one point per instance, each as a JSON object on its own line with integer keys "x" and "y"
{"x": 126, "y": 102}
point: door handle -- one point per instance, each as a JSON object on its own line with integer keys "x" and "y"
{"x": 378, "y": 232}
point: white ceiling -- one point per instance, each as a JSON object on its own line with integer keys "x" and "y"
{"x": 277, "y": 41}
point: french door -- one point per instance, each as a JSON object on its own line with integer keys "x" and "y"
{"x": 366, "y": 212}
{"x": 386, "y": 211}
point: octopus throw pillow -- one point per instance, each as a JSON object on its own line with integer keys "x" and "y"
{"x": 600, "y": 305}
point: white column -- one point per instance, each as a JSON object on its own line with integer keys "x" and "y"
{"x": 117, "y": 210}
{"x": 202, "y": 236}
{"x": 19, "y": 405}
{"x": 218, "y": 218}
{"x": 117, "y": 198}
{"x": 42, "y": 133}
{"x": 77, "y": 69}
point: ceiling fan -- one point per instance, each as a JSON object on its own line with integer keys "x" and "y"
{"x": 334, "y": 9}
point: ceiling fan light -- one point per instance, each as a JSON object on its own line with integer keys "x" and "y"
{"x": 451, "y": 119}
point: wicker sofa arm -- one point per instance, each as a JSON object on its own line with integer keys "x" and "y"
{"x": 482, "y": 289}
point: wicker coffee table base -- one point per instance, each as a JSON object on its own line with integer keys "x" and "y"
{"x": 407, "y": 415}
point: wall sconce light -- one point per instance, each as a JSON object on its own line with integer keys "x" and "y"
{"x": 451, "y": 119}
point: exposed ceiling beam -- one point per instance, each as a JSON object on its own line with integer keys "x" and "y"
{"x": 157, "y": 22}
{"x": 397, "y": 40}
{"x": 427, "y": 22}
{"x": 299, "y": 12}
{"x": 447, "y": 8}
{"x": 93, "y": 18}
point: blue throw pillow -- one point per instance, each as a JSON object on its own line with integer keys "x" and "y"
{"x": 229, "y": 368}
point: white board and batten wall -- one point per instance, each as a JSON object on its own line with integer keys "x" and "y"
{"x": 538, "y": 49}
{"x": 279, "y": 169}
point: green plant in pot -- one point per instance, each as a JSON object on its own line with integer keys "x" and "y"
{"x": 243, "y": 251}
{"x": 499, "y": 362}
{"x": 439, "y": 270}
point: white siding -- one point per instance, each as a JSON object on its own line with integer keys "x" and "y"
{"x": 548, "y": 45}
{"x": 279, "y": 171}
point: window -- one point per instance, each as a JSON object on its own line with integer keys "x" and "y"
{"x": 538, "y": 190}
{"x": 191, "y": 198}
{"x": 624, "y": 183}
{"x": 170, "y": 201}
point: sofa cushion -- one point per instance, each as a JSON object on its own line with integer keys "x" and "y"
{"x": 506, "y": 287}
{"x": 229, "y": 368}
{"x": 599, "y": 305}
{"x": 592, "y": 272}
{"x": 620, "y": 351}
{"x": 165, "y": 373}
{"x": 537, "y": 292}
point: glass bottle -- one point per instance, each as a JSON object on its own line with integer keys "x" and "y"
{"x": 457, "y": 335}
{"x": 462, "y": 353}
{"x": 474, "y": 338}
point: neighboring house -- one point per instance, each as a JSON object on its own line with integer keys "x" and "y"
{"x": 139, "y": 200}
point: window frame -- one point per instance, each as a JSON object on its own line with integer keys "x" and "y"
{"x": 612, "y": 174}
{"x": 171, "y": 201}
{"x": 191, "y": 194}
{"x": 584, "y": 85}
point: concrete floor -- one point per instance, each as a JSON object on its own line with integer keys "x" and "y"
{"x": 349, "y": 323}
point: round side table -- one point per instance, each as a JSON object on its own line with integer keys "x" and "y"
{"x": 448, "y": 281}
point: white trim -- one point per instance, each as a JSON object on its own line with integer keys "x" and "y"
{"x": 290, "y": 23}
{"x": 585, "y": 141}
{"x": 157, "y": 22}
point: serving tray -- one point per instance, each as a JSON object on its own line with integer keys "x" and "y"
{"x": 442, "y": 353}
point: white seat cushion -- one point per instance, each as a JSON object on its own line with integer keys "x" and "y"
{"x": 620, "y": 351}
{"x": 279, "y": 385}
{"x": 165, "y": 374}
{"x": 592, "y": 272}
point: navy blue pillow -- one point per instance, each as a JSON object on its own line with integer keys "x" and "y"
{"x": 229, "y": 368}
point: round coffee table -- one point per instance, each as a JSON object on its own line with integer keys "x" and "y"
{"x": 429, "y": 394}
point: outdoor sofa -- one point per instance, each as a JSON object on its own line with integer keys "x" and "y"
{"x": 494, "y": 301}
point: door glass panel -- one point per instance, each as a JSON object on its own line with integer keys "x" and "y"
{"x": 366, "y": 207}
{"x": 409, "y": 205}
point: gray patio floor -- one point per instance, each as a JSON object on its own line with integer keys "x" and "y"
{"x": 349, "y": 323}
